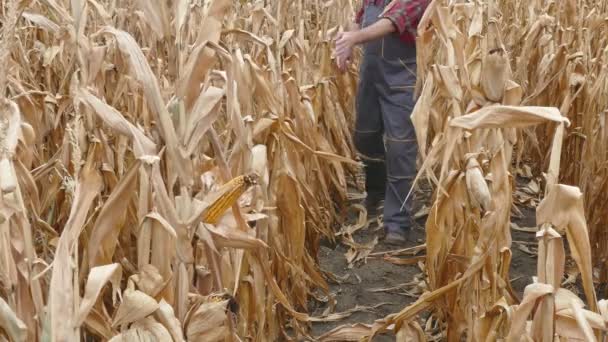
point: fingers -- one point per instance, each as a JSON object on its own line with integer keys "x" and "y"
{"x": 343, "y": 57}
{"x": 343, "y": 48}
{"x": 344, "y": 45}
{"x": 343, "y": 63}
{"x": 344, "y": 52}
{"x": 340, "y": 63}
{"x": 339, "y": 50}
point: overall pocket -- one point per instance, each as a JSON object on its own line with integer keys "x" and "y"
{"x": 399, "y": 75}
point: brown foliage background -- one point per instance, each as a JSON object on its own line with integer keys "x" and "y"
{"x": 127, "y": 128}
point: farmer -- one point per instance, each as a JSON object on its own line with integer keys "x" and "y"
{"x": 384, "y": 133}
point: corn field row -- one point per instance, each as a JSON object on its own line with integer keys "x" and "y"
{"x": 168, "y": 167}
{"x": 502, "y": 84}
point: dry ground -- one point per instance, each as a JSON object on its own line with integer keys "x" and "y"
{"x": 364, "y": 279}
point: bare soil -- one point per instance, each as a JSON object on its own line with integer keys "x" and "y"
{"x": 377, "y": 273}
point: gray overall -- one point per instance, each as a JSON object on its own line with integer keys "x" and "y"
{"x": 384, "y": 133}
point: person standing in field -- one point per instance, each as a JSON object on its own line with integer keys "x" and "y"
{"x": 384, "y": 134}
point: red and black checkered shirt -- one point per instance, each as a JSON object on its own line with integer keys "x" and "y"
{"x": 405, "y": 15}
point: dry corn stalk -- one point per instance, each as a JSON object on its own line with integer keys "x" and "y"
{"x": 566, "y": 71}
{"x": 472, "y": 104}
{"x": 468, "y": 85}
{"x": 555, "y": 52}
{"x": 129, "y": 131}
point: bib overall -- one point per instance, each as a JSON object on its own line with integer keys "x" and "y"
{"x": 384, "y": 133}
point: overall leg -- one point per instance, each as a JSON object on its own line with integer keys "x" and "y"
{"x": 397, "y": 103}
{"x": 368, "y": 136}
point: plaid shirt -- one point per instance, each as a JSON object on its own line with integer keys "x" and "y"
{"x": 405, "y": 15}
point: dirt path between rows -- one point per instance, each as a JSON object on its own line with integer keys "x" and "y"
{"x": 386, "y": 288}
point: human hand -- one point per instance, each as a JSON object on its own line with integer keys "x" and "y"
{"x": 345, "y": 43}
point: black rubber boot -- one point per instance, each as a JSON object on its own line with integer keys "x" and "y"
{"x": 375, "y": 186}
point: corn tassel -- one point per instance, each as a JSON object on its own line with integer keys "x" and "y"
{"x": 227, "y": 195}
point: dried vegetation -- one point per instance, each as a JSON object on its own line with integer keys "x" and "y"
{"x": 507, "y": 88}
{"x": 168, "y": 167}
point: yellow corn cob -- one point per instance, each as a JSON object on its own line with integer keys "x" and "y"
{"x": 227, "y": 195}
{"x": 231, "y": 304}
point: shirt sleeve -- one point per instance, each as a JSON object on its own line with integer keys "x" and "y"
{"x": 359, "y": 16}
{"x": 405, "y": 14}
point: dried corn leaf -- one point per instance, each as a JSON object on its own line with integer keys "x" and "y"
{"x": 209, "y": 322}
{"x": 149, "y": 280}
{"x": 142, "y": 145}
{"x": 570, "y": 218}
{"x": 61, "y": 293}
{"x": 508, "y": 117}
{"x": 156, "y": 13}
{"x": 11, "y": 324}
{"x": 135, "y": 305}
{"x": 98, "y": 277}
{"x": 166, "y": 317}
{"x": 347, "y": 333}
{"x": 111, "y": 218}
